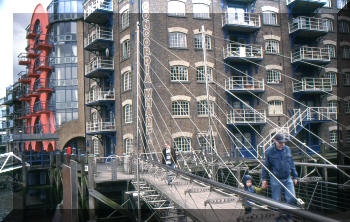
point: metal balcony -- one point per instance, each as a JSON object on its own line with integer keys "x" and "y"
{"x": 304, "y": 6}
{"x": 312, "y": 85}
{"x": 43, "y": 44}
{"x": 44, "y": 85}
{"x": 37, "y": 132}
{"x": 98, "y": 38}
{"x": 42, "y": 64}
{"x": 98, "y": 127}
{"x": 99, "y": 67}
{"x": 23, "y": 78}
{"x": 32, "y": 53}
{"x": 308, "y": 27}
{"x": 245, "y": 22}
{"x": 246, "y": 117}
{"x": 310, "y": 55}
{"x": 23, "y": 59}
{"x": 99, "y": 97}
{"x": 30, "y": 32}
{"x": 43, "y": 107}
{"x": 24, "y": 113}
{"x": 235, "y": 53}
{"x": 320, "y": 114}
{"x": 244, "y": 84}
{"x": 97, "y": 11}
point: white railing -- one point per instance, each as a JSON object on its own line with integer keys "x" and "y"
{"x": 98, "y": 33}
{"x": 291, "y": 126}
{"x": 320, "y": 113}
{"x": 243, "y": 51}
{"x": 246, "y": 116}
{"x": 241, "y": 19}
{"x": 310, "y": 53}
{"x": 99, "y": 63}
{"x": 315, "y": 1}
{"x": 91, "y": 6}
{"x": 312, "y": 84}
{"x": 308, "y": 23}
{"x": 99, "y": 95}
{"x": 94, "y": 127}
{"x": 244, "y": 83}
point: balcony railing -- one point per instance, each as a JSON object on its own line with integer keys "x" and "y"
{"x": 312, "y": 85}
{"x": 63, "y": 60}
{"x": 99, "y": 95}
{"x": 312, "y": 54}
{"x": 99, "y": 127}
{"x": 248, "y": 20}
{"x": 92, "y": 6}
{"x": 98, "y": 33}
{"x": 244, "y": 83}
{"x": 246, "y": 116}
{"x": 42, "y": 63}
{"x": 308, "y": 23}
{"x": 320, "y": 114}
{"x": 22, "y": 77}
{"x": 99, "y": 63}
{"x": 23, "y": 59}
{"x": 40, "y": 106}
{"x": 44, "y": 84}
{"x": 244, "y": 51}
{"x": 30, "y": 32}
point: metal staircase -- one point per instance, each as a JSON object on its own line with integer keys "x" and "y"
{"x": 296, "y": 123}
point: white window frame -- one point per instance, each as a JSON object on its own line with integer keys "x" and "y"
{"x": 333, "y": 76}
{"x": 177, "y": 40}
{"x": 328, "y": 4}
{"x": 129, "y": 145}
{"x": 347, "y": 107}
{"x": 346, "y": 79}
{"x": 273, "y": 76}
{"x": 331, "y": 49}
{"x": 272, "y": 46}
{"x": 203, "y": 141}
{"x": 127, "y": 82}
{"x": 346, "y": 52}
{"x": 202, "y": 108}
{"x": 178, "y": 73}
{"x": 201, "y": 74}
{"x": 198, "y": 41}
{"x": 127, "y": 110}
{"x": 180, "y": 108}
{"x": 125, "y": 49}
{"x": 333, "y": 105}
{"x": 275, "y": 107}
{"x": 182, "y": 144}
{"x": 270, "y": 18}
{"x": 333, "y": 136}
{"x": 205, "y": 14}
{"x": 178, "y": 10}
{"x": 124, "y": 20}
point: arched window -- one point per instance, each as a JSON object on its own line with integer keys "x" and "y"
{"x": 127, "y": 113}
{"x": 332, "y": 76}
{"x": 128, "y": 144}
{"x": 201, "y": 74}
{"x": 125, "y": 49}
{"x": 331, "y": 49}
{"x": 198, "y": 41}
{"x": 201, "y": 10}
{"x": 179, "y": 73}
{"x": 272, "y": 46}
{"x": 177, "y": 40}
{"x": 273, "y": 76}
{"x": 275, "y": 107}
{"x": 181, "y": 108}
{"x": 95, "y": 146}
{"x": 182, "y": 144}
{"x": 202, "y": 107}
{"x": 126, "y": 81}
{"x": 176, "y": 8}
{"x": 124, "y": 20}
{"x": 270, "y": 18}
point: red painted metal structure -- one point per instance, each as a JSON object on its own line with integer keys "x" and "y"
{"x": 38, "y": 69}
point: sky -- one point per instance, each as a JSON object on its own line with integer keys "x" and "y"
{"x": 15, "y": 15}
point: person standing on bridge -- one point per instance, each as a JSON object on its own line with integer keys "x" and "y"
{"x": 279, "y": 161}
{"x": 169, "y": 158}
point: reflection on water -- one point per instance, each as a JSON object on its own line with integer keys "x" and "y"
{"x": 6, "y": 195}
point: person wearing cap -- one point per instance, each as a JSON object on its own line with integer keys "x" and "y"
{"x": 279, "y": 161}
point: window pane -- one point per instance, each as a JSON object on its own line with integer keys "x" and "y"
{"x": 176, "y": 8}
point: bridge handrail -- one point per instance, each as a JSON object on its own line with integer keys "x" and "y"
{"x": 297, "y": 211}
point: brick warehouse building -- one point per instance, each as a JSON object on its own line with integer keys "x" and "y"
{"x": 262, "y": 54}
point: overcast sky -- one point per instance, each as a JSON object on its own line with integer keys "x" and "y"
{"x": 15, "y": 15}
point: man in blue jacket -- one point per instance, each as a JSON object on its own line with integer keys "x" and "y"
{"x": 279, "y": 161}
